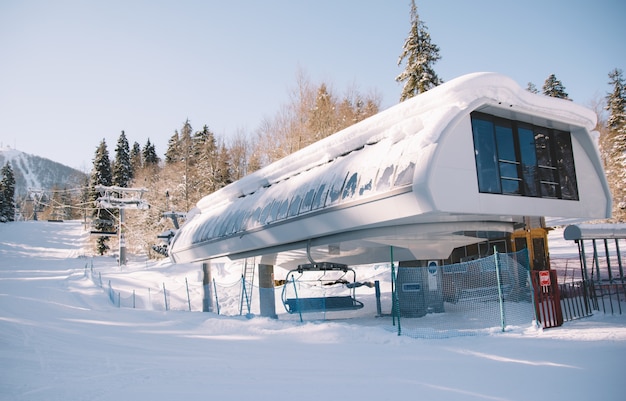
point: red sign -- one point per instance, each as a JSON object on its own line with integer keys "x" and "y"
{"x": 544, "y": 278}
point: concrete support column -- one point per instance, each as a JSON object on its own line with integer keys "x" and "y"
{"x": 266, "y": 291}
{"x": 207, "y": 300}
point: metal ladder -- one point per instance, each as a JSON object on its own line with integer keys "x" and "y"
{"x": 247, "y": 283}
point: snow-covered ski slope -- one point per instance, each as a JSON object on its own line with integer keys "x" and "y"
{"x": 62, "y": 339}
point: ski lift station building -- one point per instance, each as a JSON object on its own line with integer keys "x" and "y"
{"x": 474, "y": 163}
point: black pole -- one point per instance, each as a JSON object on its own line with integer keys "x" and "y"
{"x": 378, "y": 307}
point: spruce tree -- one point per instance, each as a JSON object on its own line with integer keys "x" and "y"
{"x": 420, "y": 54}
{"x": 204, "y": 154}
{"x": 7, "y": 194}
{"x": 554, "y": 88}
{"x": 101, "y": 175}
{"x": 186, "y": 143}
{"x": 322, "y": 119}
{"x": 66, "y": 204}
{"x": 135, "y": 157}
{"x": 122, "y": 168}
{"x": 172, "y": 154}
{"x": 2, "y": 218}
{"x": 615, "y": 143}
{"x": 149, "y": 154}
{"x": 224, "y": 167}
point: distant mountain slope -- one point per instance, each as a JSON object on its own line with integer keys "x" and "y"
{"x": 34, "y": 172}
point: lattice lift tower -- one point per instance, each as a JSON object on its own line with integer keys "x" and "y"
{"x": 121, "y": 199}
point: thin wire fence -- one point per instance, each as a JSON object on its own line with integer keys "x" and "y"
{"x": 164, "y": 297}
{"x": 486, "y": 295}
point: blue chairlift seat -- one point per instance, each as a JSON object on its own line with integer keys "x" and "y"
{"x": 322, "y": 304}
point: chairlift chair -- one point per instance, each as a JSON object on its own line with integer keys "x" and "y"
{"x": 321, "y": 304}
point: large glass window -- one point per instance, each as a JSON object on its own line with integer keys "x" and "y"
{"x": 528, "y": 162}
{"x": 486, "y": 156}
{"x": 521, "y": 159}
{"x": 507, "y": 159}
{"x": 565, "y": 165}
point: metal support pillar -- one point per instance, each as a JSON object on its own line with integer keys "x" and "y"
{"x": 207, "y": 299}
{"x": 122, "y": 239}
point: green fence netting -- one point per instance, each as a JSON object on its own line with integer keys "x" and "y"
{"x": 469, "y": 298}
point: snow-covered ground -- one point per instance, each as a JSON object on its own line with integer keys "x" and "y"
{"x": 61, "y": 338}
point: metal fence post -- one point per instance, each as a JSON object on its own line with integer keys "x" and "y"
{"x": 500, "y": 295}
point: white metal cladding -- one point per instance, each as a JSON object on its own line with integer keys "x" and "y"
{"x": 409, "y": 165}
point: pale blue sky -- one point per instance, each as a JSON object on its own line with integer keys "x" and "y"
{"x": 75, "y": 72}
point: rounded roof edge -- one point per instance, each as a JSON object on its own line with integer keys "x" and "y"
{"x": 455, "y": 95}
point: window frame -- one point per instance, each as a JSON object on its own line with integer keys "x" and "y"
{"x": 551, "y": 176}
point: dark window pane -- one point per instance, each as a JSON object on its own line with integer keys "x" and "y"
{"x": 529, "y": 161}
{"x": 486, "y": 156}
{"x": 508, "y": 170}
{"x": 294, "y": 206}
{"x": 221, "y": 225}
{"x": 320, "y": 197}
{"x": 506, "y": 146}
{"x": 350, "y": 187}
{"x": 244, "y": 221}
{"x": 265, "y": 213}
{"x": 335, "y": 192}
{"x": 548, "y": 189}
{"x": 237, "y": 222}
{"x": 542, "y": 144}
{"x": 282, "y": 210}
{"x": 547, "y": 170}
{"x": 307, "y": 202}
{"x": 539, "y": 254}
{"x": 253, "y": 221}
{"x": 510, "y": 186}
{"x": 273, "y": 212}
{"x": 565, "y": 165}
{"x": 365, "y": 188}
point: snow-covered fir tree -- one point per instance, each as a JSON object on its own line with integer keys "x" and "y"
{"x": 614, "y": 143}
{"x": 554, "y": 88}
{"x": 122, "y": 168}
{"x": 172, "y": 154}
{"x": 532, "y": 88}
{"x": 322, "y": 120}
{"x": 224, "y": 167}
{"x": 135, "y": 157}
{"x": 149, "y": 155}
{"x": 186, "y": 143}
{"x": 7, "y": 194}
{"x": 420, "y": 55}
{"x": 101, "y": 175}
{"x": 204, "y": 156}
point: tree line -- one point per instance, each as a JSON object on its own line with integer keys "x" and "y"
{"x": 197, "y": 162}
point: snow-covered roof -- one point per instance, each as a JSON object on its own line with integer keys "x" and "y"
{"x": 405, "y": 177}
{"x": 427, "y": 114}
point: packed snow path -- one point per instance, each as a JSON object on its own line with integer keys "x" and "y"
{"x": 62, "y": 339}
